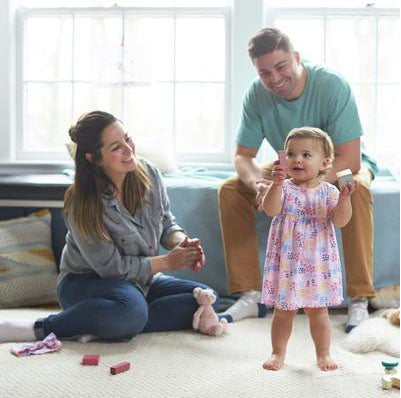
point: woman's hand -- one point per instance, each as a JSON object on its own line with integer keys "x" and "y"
{"x": 185, "y": 254}
{"x": 200, "y": 261}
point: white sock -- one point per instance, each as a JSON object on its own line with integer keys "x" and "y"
{"x": 17, "y": 330}
{"x": 245, "y": 307}
{"x": 86, "y": 338}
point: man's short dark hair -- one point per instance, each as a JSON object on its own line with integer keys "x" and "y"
{"x": 268, "y": 40}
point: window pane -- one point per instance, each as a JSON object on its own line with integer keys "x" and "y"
{"x": 351, "y": 47}
{"x": 200, "y": 49}
{"x": 97, "y": 49}
{"x": 365, "y": 99}
{"x": 330, "y": 3}
{"x": 389, "y": 46}
{"x": 199, "y": 117}
{"x": 149, "y": 49}
{"x": 388, "y": 137}
{"x": 124, "y": 3}
{"x": 308, "y": 41}
{"x": 88, "y": 97}
{"x": 149, "y": 109}
{"x": 47, "y": 116}
{"x": 47, "y": 48}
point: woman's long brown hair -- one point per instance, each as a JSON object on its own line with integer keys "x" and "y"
{"x": 84, "y": 196}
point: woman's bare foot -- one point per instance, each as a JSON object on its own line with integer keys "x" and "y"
{"x": 326, "y": 363}
{"x": 275, "y": 362}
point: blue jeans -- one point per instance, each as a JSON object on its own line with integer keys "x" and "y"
{"x": 114, "y": 309}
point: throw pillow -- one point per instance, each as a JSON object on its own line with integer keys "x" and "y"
{"x": 28, "y": 271}
{"x": 159, "y": 150}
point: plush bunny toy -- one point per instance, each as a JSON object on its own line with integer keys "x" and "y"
{"x": 205, "y": 319}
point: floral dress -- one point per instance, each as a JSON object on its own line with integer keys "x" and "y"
{"x": 302, "y": 267}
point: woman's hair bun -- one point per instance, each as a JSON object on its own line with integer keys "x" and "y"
{"x": 72, "y": 132}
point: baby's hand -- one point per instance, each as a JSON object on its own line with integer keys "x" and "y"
{"x": 278, "y": 173}
{"x": 349, "y": 189}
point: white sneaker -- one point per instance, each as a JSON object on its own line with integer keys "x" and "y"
{"x": 357, "y": 312}
{"x": 247, "y": 306}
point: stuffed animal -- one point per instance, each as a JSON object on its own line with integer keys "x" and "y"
{"x": 205, "y": 318}
{"x": 393, "y": 316}
{"x": 375, "y": 334}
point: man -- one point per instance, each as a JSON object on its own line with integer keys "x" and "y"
{"x": 292, "y": 93}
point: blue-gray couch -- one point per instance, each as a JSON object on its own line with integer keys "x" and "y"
{"x": 193, "y": 197}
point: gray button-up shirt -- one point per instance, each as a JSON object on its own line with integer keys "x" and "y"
{"x": 135, "y": 238}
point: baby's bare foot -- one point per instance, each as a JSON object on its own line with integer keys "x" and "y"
{"x": 275, "y": 362}
{"x": 326, "y": 363}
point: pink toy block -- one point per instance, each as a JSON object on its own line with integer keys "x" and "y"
{"x": 90, "y": 360}
{"x": 282, "y": 158}
{"x": 121, "y": 367}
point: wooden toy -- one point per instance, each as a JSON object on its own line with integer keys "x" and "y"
{"x": 391, "y": 377}
{"x": 282, "y": 158}
{"x": 121, "y": 367}
{"x": 90, "y": 360}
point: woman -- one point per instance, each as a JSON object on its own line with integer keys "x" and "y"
{"x": 117, "y": 214}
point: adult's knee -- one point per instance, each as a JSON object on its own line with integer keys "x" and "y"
{"x": 129, "y": 318}
{"x": 362, "y": 196}
{"x": 227, "y": 190}
{"x": 136, "y": 317}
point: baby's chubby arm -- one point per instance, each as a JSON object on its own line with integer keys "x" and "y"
{"x": 342, "y": 213}
{"x": 271, "y": 203}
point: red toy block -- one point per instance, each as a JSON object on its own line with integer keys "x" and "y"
{"x": 121, "y": 367}
{"x": 90, "y": 360}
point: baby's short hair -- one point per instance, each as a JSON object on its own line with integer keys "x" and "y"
{"x": 316, "y": 134}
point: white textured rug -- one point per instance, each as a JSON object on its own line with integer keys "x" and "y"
{"x": 190, "y": 365}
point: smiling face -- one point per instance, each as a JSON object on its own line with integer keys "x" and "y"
{"x": 282, "y": 73}
{"x": 306, "y": 159}
{"x": 118, "y": 153}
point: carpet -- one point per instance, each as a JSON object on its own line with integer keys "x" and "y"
{"x": 190, "y": 365}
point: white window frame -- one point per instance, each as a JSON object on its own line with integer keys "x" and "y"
{"x": 224, "y": 12}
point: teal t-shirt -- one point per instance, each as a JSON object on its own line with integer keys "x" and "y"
{"x": 327, "y": 102}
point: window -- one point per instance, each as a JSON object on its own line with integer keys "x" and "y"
{"x": 160, "y": 70}
{"x": 362, "y": 44}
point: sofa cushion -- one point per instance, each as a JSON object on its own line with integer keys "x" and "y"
{"x": 28, "y": 271}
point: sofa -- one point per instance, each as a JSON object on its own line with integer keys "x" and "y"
{"x": 193, "y": 197}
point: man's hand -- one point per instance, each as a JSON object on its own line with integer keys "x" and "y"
{"x": 261, "y": 188}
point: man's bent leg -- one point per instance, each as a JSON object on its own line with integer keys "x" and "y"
{"x": 238, "y": 227}
{"x": 357, "y": 239}
{"x": 237, "y": 218}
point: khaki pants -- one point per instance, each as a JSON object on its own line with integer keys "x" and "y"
{"x": 237, "y": 217}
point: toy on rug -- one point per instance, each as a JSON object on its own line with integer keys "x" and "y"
{"x": 205, "y": 318}
{"x": 48, "y": 344}
{"x": 391, "y": 377}
{"x": 375, "y": 334}
{"x": 386, "y": 297}
{"x": 393, "y": 316}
